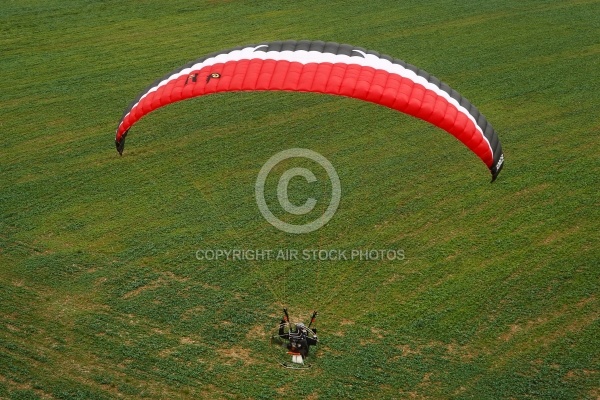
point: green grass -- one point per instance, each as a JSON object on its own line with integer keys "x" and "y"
{"x": 101, "y": 295}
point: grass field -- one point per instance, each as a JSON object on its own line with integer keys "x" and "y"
{"x": 102, "y": 295}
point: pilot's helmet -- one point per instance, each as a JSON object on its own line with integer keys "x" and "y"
{"x": 301, "y": 327}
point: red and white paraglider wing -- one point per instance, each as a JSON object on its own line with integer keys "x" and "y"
{"x": 330, "y": 68}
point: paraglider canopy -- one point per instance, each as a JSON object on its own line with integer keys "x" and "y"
{"x": 329, "y": 68}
